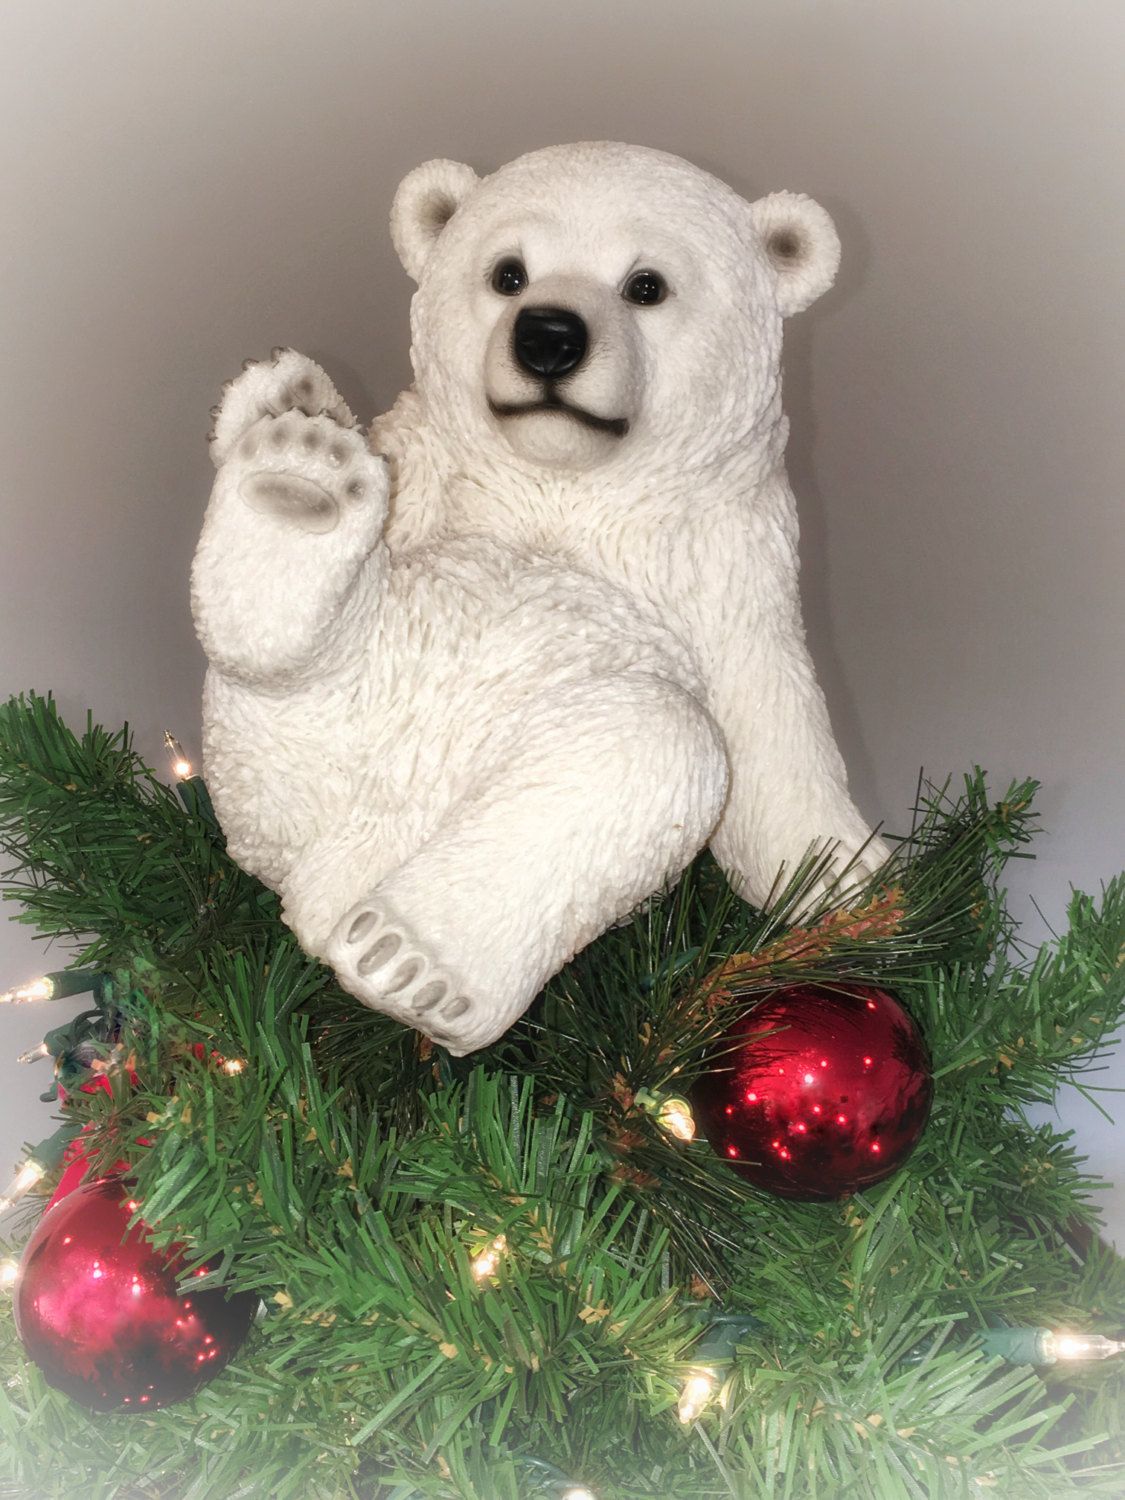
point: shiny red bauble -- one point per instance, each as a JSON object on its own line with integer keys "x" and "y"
{"x": 817, "y": 1091}
{"x": 99, "y": 1312}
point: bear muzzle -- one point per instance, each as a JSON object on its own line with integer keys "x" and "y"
{"x": 550, "y": 343}
{"x": 551, "y": 401}
{"x": 560, "y": 375}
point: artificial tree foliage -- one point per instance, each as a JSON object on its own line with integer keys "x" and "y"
{"x": 489, "y": 1278}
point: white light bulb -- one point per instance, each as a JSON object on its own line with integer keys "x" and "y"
{"x": 9, "y": 1273}
{"x": 696, "y": 1394}
{"x": 1076, "y": 1346}
{"x": 677, "y": 1119}
{"x": 36, "y": 989}
{"x": 25, "y": 1179}
{"x": 578, "y": 1493}
{"x": 234, "y": 1065}
{"x": 33, "y": 1054}
{"x": 181, "y": 766}
{"x": 485, "y": 1264}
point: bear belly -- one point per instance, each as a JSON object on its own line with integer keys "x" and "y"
{"x": 423, "y": 713}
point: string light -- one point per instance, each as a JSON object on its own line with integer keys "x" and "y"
{"x": 696, "y": 1394}
{"x": 45, "y": 1158}
{"x": 552, "y": 1481}
{"x": 677, "y": 1119}
{"x": 1076, "y": 1346}
{"x": 23, "y": 994}
{"x": 1045, "y": 1346}
{"x": 190, "y": 787}
{"x": 672, "y": 1113}
{"x": 716, "y": 1347}
{"x": 22, "y": 1183}
{"x": 33, "y": 1054}
{"x": 55, "y": 986}
{"x": 9, "y": 1272}
{"x": 181, "y": 766}
{"x": 486, "y": 1262}
{"x": 234, "y": 1065}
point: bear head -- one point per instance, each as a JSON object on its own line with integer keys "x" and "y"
{"x": 598, "y": 305}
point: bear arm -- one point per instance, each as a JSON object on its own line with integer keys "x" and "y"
{"x": 789, "y": 787}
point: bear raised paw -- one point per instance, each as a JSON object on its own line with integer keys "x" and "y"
{"x": 480, "y": 685}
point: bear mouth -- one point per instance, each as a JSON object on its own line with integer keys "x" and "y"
{"x": 615, "y": 426}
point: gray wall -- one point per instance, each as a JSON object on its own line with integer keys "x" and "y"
{"x": 186, "y": 184}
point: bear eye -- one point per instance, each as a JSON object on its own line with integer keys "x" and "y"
{"x": 645, "y": 288}
{"x": 509, "y": 277}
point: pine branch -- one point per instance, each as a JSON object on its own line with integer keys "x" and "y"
{"x": 100, "y": 846}
{"x": 354, "y": 1183}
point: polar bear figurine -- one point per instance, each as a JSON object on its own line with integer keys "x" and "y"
{"x": 481, "y": 684}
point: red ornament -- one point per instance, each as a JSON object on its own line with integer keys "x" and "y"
{"x": 75, "y": 1166}
{"x": 75, "y": 1161}
{"x": 98, "y": 1310}
{"x": 817, "y": 1091}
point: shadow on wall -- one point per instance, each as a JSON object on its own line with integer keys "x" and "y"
{"x": 816, "y": 518}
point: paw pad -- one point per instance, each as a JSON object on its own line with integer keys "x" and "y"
{"x": 430, "y": 995}
{"x": 406, "y": 975}
{"x": 361, "y": 926}
{"x": 286, "y": 383}
{"x": 303, "y": 469}
{"x": 380, "y": 954}
{"x": 381, "y": 962}
{"x": 291, "y": 498}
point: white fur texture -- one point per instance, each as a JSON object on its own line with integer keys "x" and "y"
{"x": 465, "y": 715}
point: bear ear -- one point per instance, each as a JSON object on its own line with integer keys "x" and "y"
{"x": 426, "y": 200}
{"x": 802, "y": 246}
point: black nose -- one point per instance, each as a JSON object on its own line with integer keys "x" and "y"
{"x": 549, "y": 341}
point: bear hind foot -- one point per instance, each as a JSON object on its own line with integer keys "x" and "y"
{"x": 378, "y": 959}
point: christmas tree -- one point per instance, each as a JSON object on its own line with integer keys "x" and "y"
{"x": 526, "y": 1272}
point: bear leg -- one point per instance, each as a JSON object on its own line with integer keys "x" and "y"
{"x": 773, "y": 822}
{"x": 617, "y": 786}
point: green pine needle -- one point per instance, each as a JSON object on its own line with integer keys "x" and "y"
{"x": 353, "y": 1178}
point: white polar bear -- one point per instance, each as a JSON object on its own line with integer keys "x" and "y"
{"x": 479, "y": 688}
